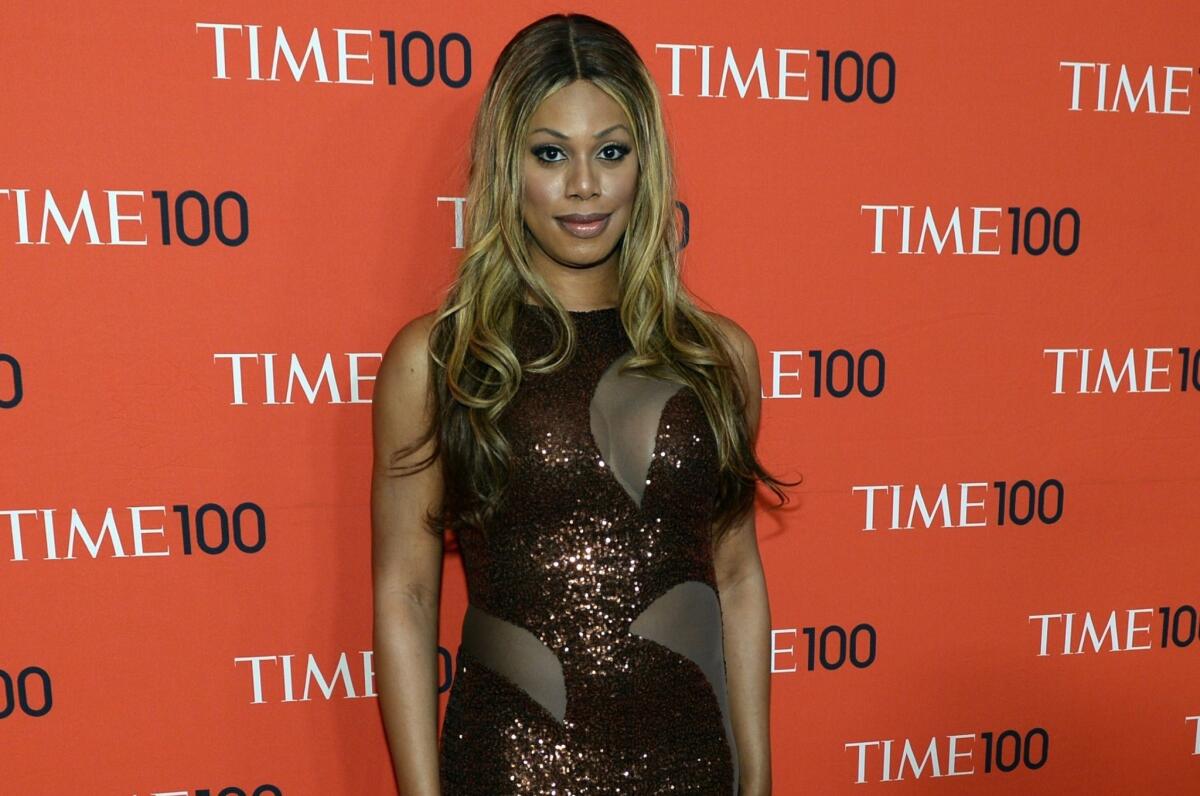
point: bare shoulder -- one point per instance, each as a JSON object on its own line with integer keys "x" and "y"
{"x": 406, "y": 356}
{"x": 402, "y": 401}
{"x": 744, "y": 352}
{"x": 741, "y": 345}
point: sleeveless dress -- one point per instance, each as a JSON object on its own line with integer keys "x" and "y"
{"x": 591, "y": 659}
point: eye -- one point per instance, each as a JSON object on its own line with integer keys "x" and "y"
{"x": 540, "y": 153}
{"x": 621, "y": 151}
{"x": 613, "y": 153}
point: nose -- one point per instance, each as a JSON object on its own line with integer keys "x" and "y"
{"x": 582, "y": 180}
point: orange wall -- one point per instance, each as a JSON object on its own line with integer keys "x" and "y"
{"x": 119, "y": 348}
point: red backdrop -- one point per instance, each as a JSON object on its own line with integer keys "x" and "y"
{"x": 963, "y": 237}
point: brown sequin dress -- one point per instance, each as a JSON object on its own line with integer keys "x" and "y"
{"x": 591, "y": 659}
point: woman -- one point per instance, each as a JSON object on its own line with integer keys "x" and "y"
{"x": 588, "y": 434}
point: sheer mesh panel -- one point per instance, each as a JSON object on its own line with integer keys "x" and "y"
{"x": 625, "y": 412}
{"x": 515, "y": 653}
{"x": 687, "y": 620}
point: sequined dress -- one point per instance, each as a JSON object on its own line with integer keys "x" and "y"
{"x": 591, "y": 659}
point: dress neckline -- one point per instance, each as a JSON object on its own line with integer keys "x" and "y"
{"x": 597, "y": 311}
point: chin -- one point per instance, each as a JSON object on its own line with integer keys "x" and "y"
{"x": 589, "y": 254}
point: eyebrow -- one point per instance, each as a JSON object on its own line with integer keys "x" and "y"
{"x": 557, "y": 134}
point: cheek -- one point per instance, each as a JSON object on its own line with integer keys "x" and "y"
{"x": 538, "y": 193}
{"x": 624, "y": 188}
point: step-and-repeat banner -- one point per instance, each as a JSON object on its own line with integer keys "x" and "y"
{"x": 963, "y": 236}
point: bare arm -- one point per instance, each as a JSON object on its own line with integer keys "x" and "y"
{"x": 406, "y": 562}
{"x": 746, "y": 615}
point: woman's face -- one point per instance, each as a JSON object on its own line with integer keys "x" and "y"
{"x": 579, "y": 165}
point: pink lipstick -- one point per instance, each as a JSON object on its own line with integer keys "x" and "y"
{"x": 584, "y": 225}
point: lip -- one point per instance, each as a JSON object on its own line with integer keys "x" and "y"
{"x": 584, "y": 225}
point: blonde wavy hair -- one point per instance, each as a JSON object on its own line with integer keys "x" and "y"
{"x": 476, "y": 371}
